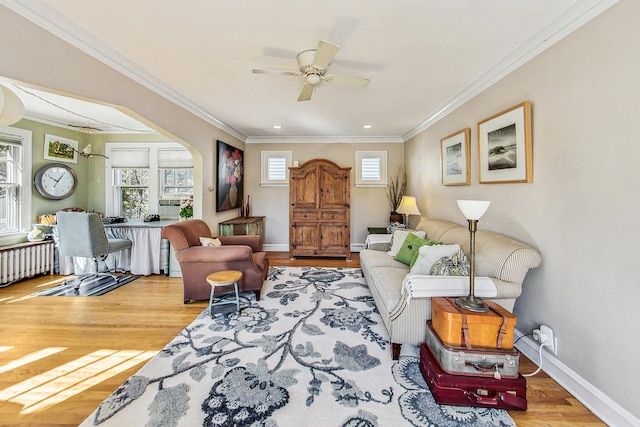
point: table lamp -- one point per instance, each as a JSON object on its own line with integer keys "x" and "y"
{"x": 473, "y": 211}
{"x": 408, "y": 207}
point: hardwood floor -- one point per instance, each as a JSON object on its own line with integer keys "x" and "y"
{"x": 61, "y": 356}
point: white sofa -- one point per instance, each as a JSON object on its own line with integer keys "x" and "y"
{"x": 504, "y": 260}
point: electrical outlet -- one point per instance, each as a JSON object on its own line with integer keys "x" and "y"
{"x": 548, "y": 339}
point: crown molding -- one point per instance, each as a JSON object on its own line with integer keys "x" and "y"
{"x": 324, "y": 140}
{"x": 573, "y": 18}
{"x": 46, "y": 17}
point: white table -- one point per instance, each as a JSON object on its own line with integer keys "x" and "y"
{"x": 148, "y": 255}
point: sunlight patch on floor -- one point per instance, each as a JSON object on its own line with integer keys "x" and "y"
{"x": 31, "y": 357}
{"x": 65, "y": 381}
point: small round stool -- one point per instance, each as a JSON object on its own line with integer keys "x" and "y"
{"x": 224, "y": 278}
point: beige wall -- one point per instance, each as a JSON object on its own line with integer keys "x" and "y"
{"x": 369, "y": 206}
{"x": 581, "y": 210}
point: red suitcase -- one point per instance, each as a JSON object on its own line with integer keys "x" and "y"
{"x": 449, "y": 389}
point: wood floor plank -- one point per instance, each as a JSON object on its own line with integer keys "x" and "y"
{"x": 143, "y": 316}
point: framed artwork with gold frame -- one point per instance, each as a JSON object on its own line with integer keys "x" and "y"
{"x": 456, "y": 162}
{"x": 505, "y": 147}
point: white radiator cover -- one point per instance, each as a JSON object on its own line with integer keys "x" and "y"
{"x": 25, "y": 260}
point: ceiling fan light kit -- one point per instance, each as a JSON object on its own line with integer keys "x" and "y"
{"x": 313, "y": 64}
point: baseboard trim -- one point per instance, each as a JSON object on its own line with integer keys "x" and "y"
{"x": 590, "y": 396}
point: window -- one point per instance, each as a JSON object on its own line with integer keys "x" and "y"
{"x": 176, "y": 183}
{"x": 275, "y": 168}
{"x": 371, "y": 168}
{"x": 15, "y": 186}
{"x": 142, "y": 174}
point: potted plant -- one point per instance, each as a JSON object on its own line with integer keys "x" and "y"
{"x": 396, "y": 188}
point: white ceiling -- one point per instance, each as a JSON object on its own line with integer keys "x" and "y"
{"x": 423, "y": 57}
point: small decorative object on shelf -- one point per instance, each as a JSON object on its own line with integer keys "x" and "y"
{"x": 186, "y": 209}
{"x": 247, "y": 209}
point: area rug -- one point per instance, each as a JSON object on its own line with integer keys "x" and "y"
{"x": 312, "y": 352}
{"x": 90, "y": 287}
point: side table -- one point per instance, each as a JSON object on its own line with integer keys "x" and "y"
{"x": 242, "y": 226}
{"x": 377, "y": 230}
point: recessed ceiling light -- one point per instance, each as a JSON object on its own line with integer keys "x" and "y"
{"x": 367, "y": 126}
{"x": 277, "y": 127}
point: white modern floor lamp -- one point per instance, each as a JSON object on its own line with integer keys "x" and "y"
{"x": 473, "y": 211}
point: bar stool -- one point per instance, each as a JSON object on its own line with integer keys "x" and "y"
{"x": 224, "y": 278}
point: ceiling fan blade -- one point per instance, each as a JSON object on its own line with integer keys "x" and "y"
{"x": 276, "y": 72}
{"x": 306, "y": 93}
{"x": 346, "y": 80}
{"x": 325, "y": 53}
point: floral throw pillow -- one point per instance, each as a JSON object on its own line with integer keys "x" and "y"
{"x": 456, "y": 265}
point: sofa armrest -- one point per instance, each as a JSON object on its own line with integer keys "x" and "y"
{"x": 214, "y": 253}
{"x": 253, "y": 241}
{"x": 378, "y": 242}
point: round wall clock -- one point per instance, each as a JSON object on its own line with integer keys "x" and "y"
{"x": 56, "y": 181}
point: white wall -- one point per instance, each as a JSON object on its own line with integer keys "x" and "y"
{"x": 581, "y": 210}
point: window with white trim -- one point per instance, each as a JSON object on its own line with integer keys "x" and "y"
{"x": 275, "y": 168}
{"x": 15, "y": 186}
{"x": 144, "y": 173}
{"x": 371, "y": 168}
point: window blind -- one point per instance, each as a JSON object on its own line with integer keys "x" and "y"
{"x": 174, "y": 159}
{"x": 130, "y": 158}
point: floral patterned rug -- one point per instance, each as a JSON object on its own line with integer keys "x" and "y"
{"x": 312, "y": 352}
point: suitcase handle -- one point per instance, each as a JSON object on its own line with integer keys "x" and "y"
{"x": 479, "y": 367}
{"x": 509, "y": 399}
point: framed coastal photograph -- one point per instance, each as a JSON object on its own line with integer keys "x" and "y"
{"x": 456, "y": 162}
{"x": 505, "y": 146}
{"x": 60, "y": 149}
{"x": 230, "y": 177}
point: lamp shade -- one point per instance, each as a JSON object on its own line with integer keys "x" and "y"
{"x": 408, "y": 206}
{"x": 473, "y": 209}
{"x": 11, "y": 107}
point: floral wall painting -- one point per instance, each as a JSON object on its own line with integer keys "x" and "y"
{"x": 505, "y": 146}
{"x": 230, "y": 179}
{"x": 60, "y": 149}
{"x": 456, "y": 162}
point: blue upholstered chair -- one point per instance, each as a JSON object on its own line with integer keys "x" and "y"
{"x": 81, "y": 234}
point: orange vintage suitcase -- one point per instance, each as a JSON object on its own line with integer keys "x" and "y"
{"x": 456, "y": 326}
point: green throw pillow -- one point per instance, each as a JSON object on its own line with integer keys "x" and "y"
{"x": 409, "y": 249}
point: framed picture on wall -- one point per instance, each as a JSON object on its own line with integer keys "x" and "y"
{"x": 505, "y": 146}
{"x": 60, "y": 149}
{"x": 230, "y": 177}
{"x": 456, "y": 162}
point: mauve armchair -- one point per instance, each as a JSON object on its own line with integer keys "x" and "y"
{"x": 241, "y": 253}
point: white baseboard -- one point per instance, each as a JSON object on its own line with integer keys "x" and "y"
{"x": 590, "y": 396}
{"x": 277, "y": 247}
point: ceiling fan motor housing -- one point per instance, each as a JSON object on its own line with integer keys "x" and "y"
{"x": 305, "y": 62}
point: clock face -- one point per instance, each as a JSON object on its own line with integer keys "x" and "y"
{"x": 56, "y": 181}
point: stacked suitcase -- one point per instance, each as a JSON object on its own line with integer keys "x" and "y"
{"x": 469, "y": 359}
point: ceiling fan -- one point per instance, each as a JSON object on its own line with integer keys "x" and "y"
{"x": 313, "y": 65}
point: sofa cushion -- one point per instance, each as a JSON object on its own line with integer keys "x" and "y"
{"x": 428, "y": 255}
{"x": 370, "y": 258}
{"x": 398, "y": 237}
{"x": 387, "y": 282}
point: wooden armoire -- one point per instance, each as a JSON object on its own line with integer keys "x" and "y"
{"x": 319, "y": 210}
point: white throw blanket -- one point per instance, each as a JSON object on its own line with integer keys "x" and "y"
{"x": 424, "y": 286}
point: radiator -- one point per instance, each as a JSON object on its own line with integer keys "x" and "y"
{"x": 25, "y": 260}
